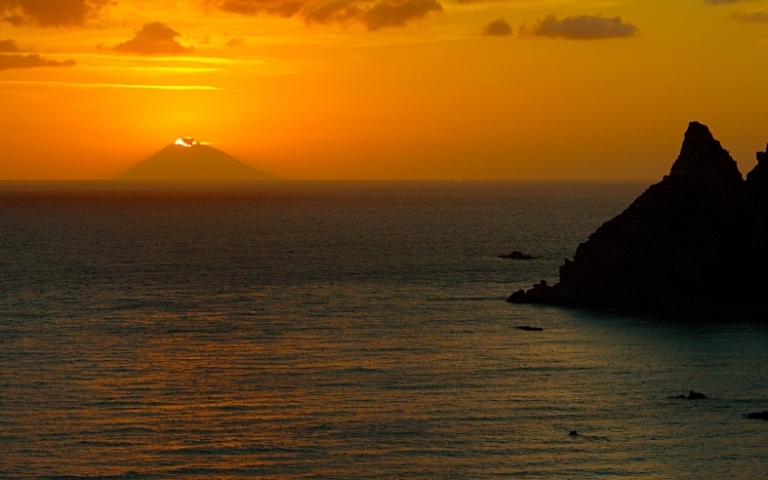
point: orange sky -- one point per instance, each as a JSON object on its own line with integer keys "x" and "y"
{"x": 380, "y": 89}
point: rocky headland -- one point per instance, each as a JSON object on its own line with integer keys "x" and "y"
{"x": 696, "y": 240}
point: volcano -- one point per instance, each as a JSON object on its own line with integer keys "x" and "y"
{"x": 189, "y": 161}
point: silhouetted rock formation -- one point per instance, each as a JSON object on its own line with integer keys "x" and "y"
{"x": 696, "y": 396}
{"x": 758, "y": 415}
{"x": 696, "y": 240}
{"x": 188, "y": 161}
{"x": 517, "y": 255}
{"x": 691, "y": 396}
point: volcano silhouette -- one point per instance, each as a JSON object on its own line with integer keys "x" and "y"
{"x": 188, "y": 161}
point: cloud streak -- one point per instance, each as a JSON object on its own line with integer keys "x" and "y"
{"x": 373, "y": 14}
{"x": 49, "y": 13}
{"x": 752, "y": 17}
{"x": 584, "y": 27}
{"x": 15, "y": 61}
{"x": 129, "y": 86}
{"x": 154, "y": 38}
{"x": 12, "y": 56}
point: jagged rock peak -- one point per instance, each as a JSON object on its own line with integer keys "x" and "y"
{"x": 758, "y": 177}
{"x": 696, "y": 240}
{"x": 762, "y": 156}
{"x": 702, "y": 158}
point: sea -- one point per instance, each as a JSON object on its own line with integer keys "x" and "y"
{"x": 348, "y": 330}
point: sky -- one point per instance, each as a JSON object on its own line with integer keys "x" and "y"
{"x": 381, "y": 89}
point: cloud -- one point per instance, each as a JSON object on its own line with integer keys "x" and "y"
{"x": 30, "y": 61}
{"x": 753, "y": 17}
{"x": 49, "y": 13}
{"x": 721, "y": 2}
{"x": 154, "y": 38}
{"x": 584, "y": 27}
{"x": 235, "y": 42}
{"x": 11, "y": 56}
{"x": 497, "y": 28}
{"x": 394, "y": 13}
{"x": 284, "y": 8}
{"x": 373, "y": 14}
{"x": 9, "y": 46}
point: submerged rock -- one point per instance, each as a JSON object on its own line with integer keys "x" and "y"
{"x": 517, "y": 255}
{"x": 696, "y": 240}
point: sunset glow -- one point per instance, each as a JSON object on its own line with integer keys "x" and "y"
{"x": 381, "y": 90}
{"x": 186, "y": 142}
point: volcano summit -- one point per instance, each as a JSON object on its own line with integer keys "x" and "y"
{"x": 186, "y": 160}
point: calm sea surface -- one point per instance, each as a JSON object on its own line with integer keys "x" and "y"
{"x": 347, "y": 331}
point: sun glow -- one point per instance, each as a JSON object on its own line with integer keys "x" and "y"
{"x": 186, "y": 142}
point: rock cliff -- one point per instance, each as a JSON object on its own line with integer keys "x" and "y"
{"x": 696, "y": 240}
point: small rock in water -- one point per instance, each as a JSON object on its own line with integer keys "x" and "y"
{"x": 528, "y": 328}
{"x": 691, "y": 396}
{"x": 517, "y": 255}
{"x": 758, "y": 415}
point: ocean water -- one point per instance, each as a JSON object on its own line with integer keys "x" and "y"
{"x": 347, "y": 331}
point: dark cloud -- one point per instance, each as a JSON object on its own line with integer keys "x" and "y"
{"x": 497, "y": 28}
{"x": 284, "y": 8}
{"x": 9, "y": 46}
{"x": 373, "y": 14}
{"x": 30, "y": 61}
{"x": 14, "y": 20}
{"x": 11, "y": 56}
{"x": 752, "y": 17}
{"x": 154, "y": 38}
{"x": 584, "y": 27}
{"x": 49, "y": 13}
{"x": 383, "y": 14}
{"x": 721, "y": 2}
